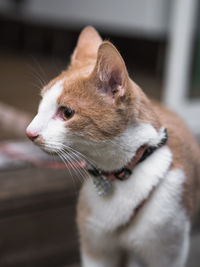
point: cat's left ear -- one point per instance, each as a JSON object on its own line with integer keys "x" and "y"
{"x": 110, "y": 72}
{"x": 87, "y": 46}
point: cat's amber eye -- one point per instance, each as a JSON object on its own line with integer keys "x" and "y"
{"x": 67, "y": 113}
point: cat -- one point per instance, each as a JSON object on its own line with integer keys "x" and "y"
{"x": 142, "y": 190}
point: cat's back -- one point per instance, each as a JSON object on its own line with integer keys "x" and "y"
{"x": 186, "y": 155}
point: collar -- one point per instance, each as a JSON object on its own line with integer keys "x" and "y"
{"x": 103, "y": 180}
{"x": 124, "y": 173}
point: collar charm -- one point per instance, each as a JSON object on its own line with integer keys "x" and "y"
{"x": 103, "y": 185}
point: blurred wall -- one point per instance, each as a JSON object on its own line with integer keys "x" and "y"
{"x": 141, "y": 17}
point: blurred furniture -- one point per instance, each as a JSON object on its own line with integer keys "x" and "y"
{"x": 37, "y": 209}
{"x": 145, "y": 18}
{"x": 179, "y": 59}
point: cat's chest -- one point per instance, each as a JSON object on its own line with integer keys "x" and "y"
{"x": 112, "y": 211}
{"x": 163, "y": 211}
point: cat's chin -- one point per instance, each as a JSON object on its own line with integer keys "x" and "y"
{"x": 47, "y": 148}
{"x": 48, "y": 151}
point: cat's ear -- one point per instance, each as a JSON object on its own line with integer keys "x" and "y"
{"x": 110, "y": 72}
{"x": 87, "y": 46}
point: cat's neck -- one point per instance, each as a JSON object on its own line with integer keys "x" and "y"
{"x": 114, "y": 154}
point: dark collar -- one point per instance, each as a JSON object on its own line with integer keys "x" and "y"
{"x": 142, "y": 153}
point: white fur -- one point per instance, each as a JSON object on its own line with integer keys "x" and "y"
{"x": 114, "y": 154}
{"x": 160, "y": 232}
{"x": 47, "y": 108}
{"x": 113, "y": 211}
{"x": 52, "y": 130}
{"x": 104, "y": 261}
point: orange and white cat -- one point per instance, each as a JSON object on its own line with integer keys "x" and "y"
{"x": 93, "y": 109}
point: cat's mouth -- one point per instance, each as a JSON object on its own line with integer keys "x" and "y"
{"x": 49, "y": 151}
{"x": 47, "y": 148}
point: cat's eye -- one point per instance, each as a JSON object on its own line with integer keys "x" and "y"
{"x": 67, "y": 113}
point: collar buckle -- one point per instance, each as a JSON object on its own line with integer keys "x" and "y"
{"x": 123, "y": 174}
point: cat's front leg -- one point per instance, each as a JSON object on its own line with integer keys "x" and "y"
{"x": 133, "y": 261}
{"x": 92, "y": 257}
{"x": 170, "y": 254}
{"x": 97, "y": 248}
{"x": 101, "y": 261}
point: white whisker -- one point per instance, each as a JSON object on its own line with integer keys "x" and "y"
{"x": 78, "y": 170}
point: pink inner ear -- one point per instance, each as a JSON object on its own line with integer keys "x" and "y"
{"x": 110, "y": 71}
{"x": 111, "y": 83}
{"x": 115, "y": 81}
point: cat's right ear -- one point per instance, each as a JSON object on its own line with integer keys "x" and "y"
{"x": 87, "y": 46}
{"x": 110, "y": 74}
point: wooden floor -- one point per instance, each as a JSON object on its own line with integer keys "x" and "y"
{"x": 37, "y": 209}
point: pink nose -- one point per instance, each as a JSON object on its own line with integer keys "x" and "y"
{"x": 32, "y": 136}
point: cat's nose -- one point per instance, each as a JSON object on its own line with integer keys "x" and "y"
{"x": 32, "y": 136}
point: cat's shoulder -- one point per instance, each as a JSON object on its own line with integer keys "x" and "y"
{"x": 186, "y": 154}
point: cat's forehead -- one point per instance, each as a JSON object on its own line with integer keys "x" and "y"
{"x": 72, "y": 88}
{"x": 70, "y": 78}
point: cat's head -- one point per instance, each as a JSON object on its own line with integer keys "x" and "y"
{"x": 89, "y": 106}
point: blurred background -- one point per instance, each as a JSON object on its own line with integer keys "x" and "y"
{"x": 160, "y": 43}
